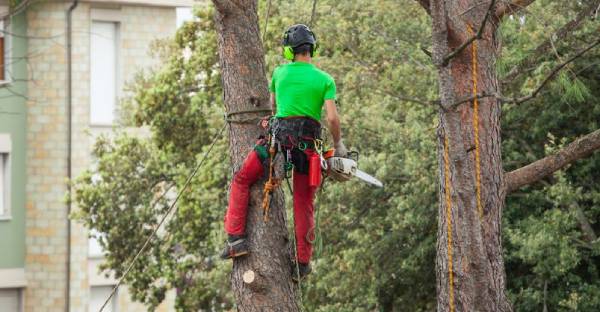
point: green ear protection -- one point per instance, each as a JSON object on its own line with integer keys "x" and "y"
{"x": 288, "y": 53}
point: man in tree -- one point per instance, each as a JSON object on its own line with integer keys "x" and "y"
{"x": 299, "y": 90}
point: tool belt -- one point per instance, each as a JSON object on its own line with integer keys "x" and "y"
{"x": 293, "y": 135}
{"x": 291, "y": 131}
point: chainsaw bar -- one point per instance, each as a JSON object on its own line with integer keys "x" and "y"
{"x": 367, "y": 178}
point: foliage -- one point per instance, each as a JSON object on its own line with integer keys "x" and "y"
{"x": 378, "y": 245}
{"x": 549, "y": 260}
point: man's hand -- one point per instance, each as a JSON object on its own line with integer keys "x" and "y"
{"x": 340, "y": 149}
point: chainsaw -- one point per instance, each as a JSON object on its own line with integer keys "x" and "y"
{"x": 344, "y": 168}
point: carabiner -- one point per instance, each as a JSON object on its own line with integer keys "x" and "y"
{"x": 302, "y": 145}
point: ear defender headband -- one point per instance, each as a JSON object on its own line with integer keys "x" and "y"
{"x": 313, "y": 52}
{"x": 288, "y": 50}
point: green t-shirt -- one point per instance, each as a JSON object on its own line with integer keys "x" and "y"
{"x": 300, "y": 89}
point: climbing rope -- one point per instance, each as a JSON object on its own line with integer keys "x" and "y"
{"x": 476, "y": 123}
{"x": 297, "y": 266}
{"x": 164, "y": 217}
{"x": 230, "y": 116}
{"x": 447, "y": 190}
{"x": 272, "y": 183}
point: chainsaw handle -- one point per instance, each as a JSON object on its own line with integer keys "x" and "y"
{"x": 353, "y": 155}
{"x": 331, "y": 152}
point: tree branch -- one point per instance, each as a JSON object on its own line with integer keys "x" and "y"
{"x": 405, "y": 98}
{"x": 584, "y": 223}
{"x": 552, "y": 73}
{"x": 427, "y": 52}
{"x": 512, "y": 7}
{"x": 425, "y": 4}
{"x": 472, "y": 98}
{"x": 477, "y": 36}
{"x": 560, "y": 34}
{"x": 541, "y": 168}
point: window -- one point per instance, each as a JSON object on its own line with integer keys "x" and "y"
{"x": 3, "y": 161}
{"x": 4, "y": 44}
{"x": 10, "y": 300}
{"x": 98, "y": 295}
{"x": 5, "y": 146}
{"x": 2, "y": 56}
{"x": 103, "y": 72}
{"x": 94, "y": 248}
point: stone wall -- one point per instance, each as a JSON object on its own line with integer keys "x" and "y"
{"x": 46, "y": 225}
{"x": 46, "y": 222}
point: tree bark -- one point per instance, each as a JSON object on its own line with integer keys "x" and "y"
{"x": 469, "y": 265}
{"x": 245, "y": 88}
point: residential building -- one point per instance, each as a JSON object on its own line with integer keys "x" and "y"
{"x": 47, "y": 263}
{"x": 13, "y": 123}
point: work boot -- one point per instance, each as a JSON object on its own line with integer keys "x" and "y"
{"x": 236, "y": 246}
{"x": 302, "y": 269}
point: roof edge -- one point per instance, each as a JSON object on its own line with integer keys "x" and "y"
{"x": 158, "y": 3}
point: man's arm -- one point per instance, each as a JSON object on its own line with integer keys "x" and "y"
{"x": 273, "y": 105}
{"x": 333, "y": 120}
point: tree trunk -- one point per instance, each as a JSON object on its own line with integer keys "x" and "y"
{"x": 469, "y": 264}
{"x": 245, "y": 88}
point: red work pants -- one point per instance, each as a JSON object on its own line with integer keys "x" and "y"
{"x": 304, "y": 194}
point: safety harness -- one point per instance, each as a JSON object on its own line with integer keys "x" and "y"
{"x": 292, "y": 136}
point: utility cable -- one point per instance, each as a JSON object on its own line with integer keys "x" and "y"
{"x": 185, "y": 185}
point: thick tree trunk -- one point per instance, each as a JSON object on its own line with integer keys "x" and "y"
{"x": 470, "y": 269}
{"x": 262, "y": 280}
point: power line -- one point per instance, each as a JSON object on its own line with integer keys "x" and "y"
{"x": 164, "y": 217}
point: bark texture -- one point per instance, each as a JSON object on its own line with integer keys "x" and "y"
{"x": 245, "y": 88}
{"x": 469, "y": 265}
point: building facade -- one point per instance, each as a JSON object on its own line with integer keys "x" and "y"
{"x": 49, "y": 263}
{"x": 13, "y": 90}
